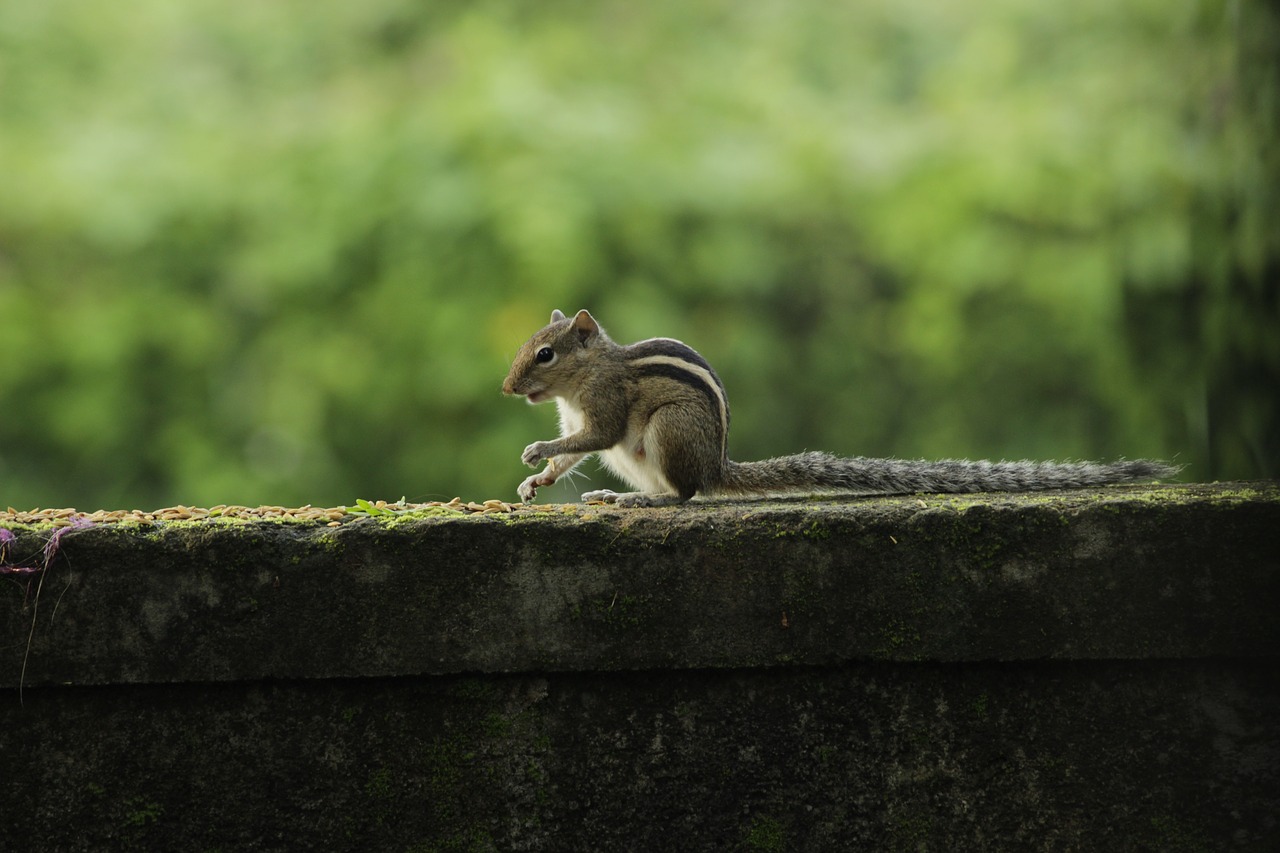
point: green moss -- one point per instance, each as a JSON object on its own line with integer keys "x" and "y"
{"x": 495, "y": 725}
{"x": 379, "y": 792}
{"x": 896, "y": 636}
{"x": 20, "y": 529}
{"x": 442, "y": 770}
{"x": 141, "y": 813}
{"x": 140, "y": 816}
{"x": 391, "y": 522}
{"x": 379, "y": 784}
{"x": 765, "y": 833}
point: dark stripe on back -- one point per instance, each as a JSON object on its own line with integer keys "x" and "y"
{"x": 672, "y": 349}
{"x": 686, "y": 377}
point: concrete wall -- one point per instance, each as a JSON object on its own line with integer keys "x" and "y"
{"x": 1078, "y": 670}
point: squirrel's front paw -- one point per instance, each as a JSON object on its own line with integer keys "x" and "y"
{"x": 536, "y": 452}
{"x": 528, "y": 490}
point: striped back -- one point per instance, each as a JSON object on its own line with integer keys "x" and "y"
{"x": 672, "y": 359}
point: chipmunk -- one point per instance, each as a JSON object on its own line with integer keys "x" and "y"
{"x": 658, "y": 415}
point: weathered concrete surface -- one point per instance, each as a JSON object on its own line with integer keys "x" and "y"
{"x": 1166, "y": 572}
{"x": 1107, "y": 756}
{"x": 1079, "y": 670}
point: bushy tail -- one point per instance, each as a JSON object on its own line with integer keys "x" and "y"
{"x": 822, "y": 472}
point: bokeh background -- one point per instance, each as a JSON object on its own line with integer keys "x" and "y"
{"x": 283, "y": 252}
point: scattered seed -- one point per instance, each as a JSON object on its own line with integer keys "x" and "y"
{"x": 331, "y": 516}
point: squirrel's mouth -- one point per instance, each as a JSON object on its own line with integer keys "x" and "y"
{"x": 536, "y": 397}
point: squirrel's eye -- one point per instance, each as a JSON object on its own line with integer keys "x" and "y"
{"x": 545, "y": 355}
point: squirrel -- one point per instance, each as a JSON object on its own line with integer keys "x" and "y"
{"x": 658, "y": 415}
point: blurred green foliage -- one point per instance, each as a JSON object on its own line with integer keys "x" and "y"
{"x": 283, "y": 252}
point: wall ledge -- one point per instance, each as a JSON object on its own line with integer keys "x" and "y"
{"x": 1161, "y": 572}
{"x": 1090, "y": 670}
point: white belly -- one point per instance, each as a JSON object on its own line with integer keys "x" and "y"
{"x": 634, "y": 459}
{"x": 643, "y": 473}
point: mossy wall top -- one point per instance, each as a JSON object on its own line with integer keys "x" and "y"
{"x": 1156, "y": 572}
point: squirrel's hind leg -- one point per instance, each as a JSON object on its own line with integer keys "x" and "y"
{"x": 664, "y": 459}
{"x": 633, "y": 499}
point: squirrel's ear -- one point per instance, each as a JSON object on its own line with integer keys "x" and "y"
{"x": 556, "y": 316}
{"x": 586, "y": 326}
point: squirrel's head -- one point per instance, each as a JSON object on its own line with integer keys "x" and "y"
{"x": 549, "y": 363}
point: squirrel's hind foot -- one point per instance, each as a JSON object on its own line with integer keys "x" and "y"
{"x": 631, "y": 499}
